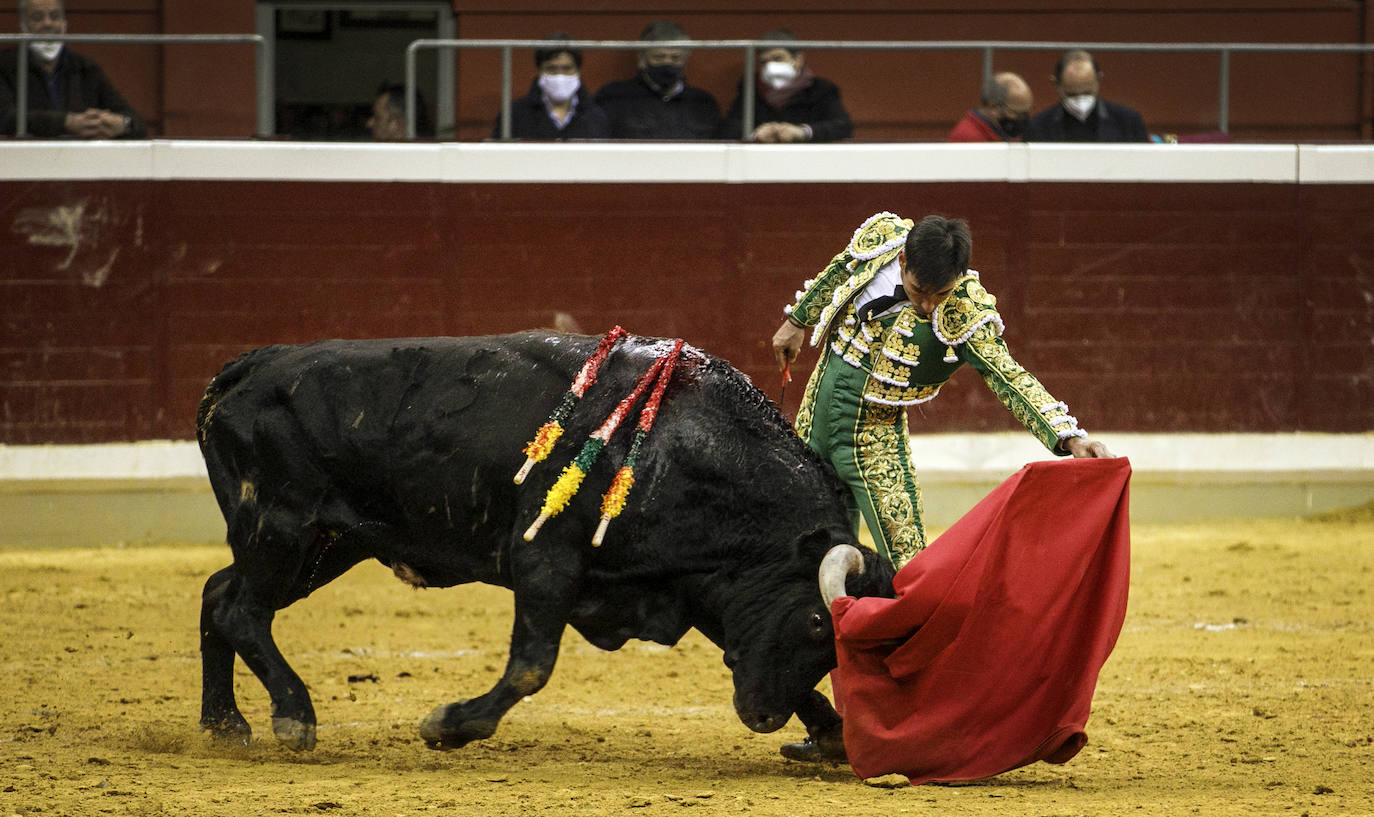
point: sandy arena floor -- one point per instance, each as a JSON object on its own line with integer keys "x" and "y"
{"x": 1243, "y": 684}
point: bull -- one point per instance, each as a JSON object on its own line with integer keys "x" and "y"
{"x": 325, "y": 455}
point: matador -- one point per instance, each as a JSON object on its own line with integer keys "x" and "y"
{"x": 896, "y": 313}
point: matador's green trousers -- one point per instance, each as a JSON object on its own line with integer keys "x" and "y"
{"x": 867, "y": 444}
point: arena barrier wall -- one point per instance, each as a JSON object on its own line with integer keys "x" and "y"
{"x": 123, "y": 493}
{"x": 1215, "y": 290}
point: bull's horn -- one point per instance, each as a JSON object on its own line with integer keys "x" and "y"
{"x": 839, "y": 564}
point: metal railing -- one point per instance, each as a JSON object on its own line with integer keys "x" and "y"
{"x": 750, "y": 49}
{"x": 21, "y": 90}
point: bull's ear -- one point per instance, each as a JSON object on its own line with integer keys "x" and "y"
{"x": 808, "y": 548}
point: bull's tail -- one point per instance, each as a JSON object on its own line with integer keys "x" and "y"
{"x": 233, "y": 372}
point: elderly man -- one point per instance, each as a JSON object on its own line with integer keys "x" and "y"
{"x": 657, "y": 103}
{"x": 1002, "y": 115}
{"x": 1081, "y": 115}
{"x": 68, "y": 94}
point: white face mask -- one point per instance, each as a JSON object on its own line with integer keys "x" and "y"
{"x": 560, "y": 87}
{"x": 45, "y": 51}
{"x": 1080, "y": 105}
{"x": 778, "y": 73}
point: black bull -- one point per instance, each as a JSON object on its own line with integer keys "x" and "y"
{"x": 325, "y": 455}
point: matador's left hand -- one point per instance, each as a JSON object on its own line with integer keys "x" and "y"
{"x": 1087, "y": 447}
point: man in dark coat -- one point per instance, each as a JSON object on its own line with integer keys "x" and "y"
{"x": 791, "y": 104}
{"x": 657, "y": 103}
{"x": 1081, "y": 115}
{"x": 68, "y": 94}
{"x": 557, "y": 105}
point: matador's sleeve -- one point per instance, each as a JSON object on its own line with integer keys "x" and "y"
{"x": 875, "y": 242}
{"x": 1019, "y": 390}
{"x": 816, "y": 293}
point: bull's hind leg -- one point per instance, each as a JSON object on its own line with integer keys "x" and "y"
{"x": 545, "y": 586}
{"x": 219, "y": 712}
{"x": 268, "y": 560}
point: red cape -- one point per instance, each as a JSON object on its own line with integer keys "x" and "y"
{"x": 988, "y": 657}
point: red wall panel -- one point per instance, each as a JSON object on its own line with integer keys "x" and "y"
{"x": 1148, "y": 307}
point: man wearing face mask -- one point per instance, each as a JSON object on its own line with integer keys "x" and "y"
{"x": 791, "y": 104}
{"x": 1002, "y": 116}
{"x": 68, "y": 94}
{"x": 1082, "y": 115}
{"x": 557, "y": 105}
{"x": 657, "y": 103}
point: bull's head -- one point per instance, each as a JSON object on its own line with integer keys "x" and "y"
{"x": 778, "y": 637}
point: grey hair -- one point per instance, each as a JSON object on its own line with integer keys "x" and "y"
{"x": 660, "y": 30}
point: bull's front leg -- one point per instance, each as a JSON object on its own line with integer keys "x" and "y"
{"x": 824, "y": 732}
{"x": 544, "y": 593}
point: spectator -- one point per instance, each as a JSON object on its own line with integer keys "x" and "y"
{"x": 557, "y": 105}
{"x": 791, "y": 104}
{"x": 1081, "y": 115}
{"x": 388, "y": 120}
{"x": 1002, "y": 114}
{"x": 657, "y": 103}
{"x": 68, "y": 94}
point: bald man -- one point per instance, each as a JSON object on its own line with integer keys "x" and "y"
{"x": 1001, "y": 115}
{"x": 1081, "y": 115}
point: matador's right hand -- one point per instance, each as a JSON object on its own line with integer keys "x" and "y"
{"x": 787, "y": 343}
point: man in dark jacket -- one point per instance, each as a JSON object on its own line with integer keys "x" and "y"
{"x": 657, "y": 103}
{"x": 1081, "y": 115}
{"x": 68, "y": 94}
{"x": 791, "y": 104}
{"x": 557, "y": 105}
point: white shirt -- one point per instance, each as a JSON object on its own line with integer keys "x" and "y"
{"x": 884, "y": 282}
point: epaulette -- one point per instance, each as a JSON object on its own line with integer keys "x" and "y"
{"x": 966, "y": 309}
{"x": 878, "y": 235}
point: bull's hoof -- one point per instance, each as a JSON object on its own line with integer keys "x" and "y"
{"x": 229, "y": 731}
{"x": 828, "y": 749}
{"x": 294, "y": 734}
{"x": 445, "y": 728}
